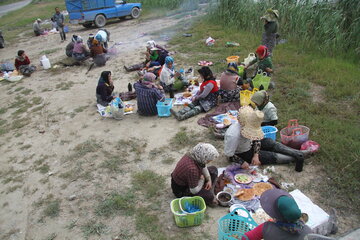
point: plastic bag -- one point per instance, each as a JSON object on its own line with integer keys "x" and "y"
{"x": 310, "y": 145}
{"x": 117, "y": 108}
{"x": 261, "y": 79}
{"x": 251, "y": 57}
{"x": 210, "y": 41}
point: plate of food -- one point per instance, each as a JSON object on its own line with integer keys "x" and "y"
{"x": 245, "y": 194}
{"x": 243, "y": 178}
{"x": 261, "y": 187}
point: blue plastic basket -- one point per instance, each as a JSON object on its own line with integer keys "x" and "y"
{"x": 233, "y": 226}
{"x": 269, "y": 132}
{"x": 163, "y": 108}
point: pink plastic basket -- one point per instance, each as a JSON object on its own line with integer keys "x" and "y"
{"x": 294, "y": 134}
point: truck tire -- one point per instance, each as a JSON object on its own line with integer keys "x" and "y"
{"x": 87, "y": 25}
{"x": 135, "y": 12}
{"x": 100, "y": 21}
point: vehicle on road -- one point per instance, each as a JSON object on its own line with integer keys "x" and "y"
{"x": 97, "y": 12}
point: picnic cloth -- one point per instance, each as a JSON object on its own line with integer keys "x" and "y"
{"x": 105, "y": 111}
{"x": 222, "y": 108}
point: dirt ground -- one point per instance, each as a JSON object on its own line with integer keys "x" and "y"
{"x": 60, "y": 133}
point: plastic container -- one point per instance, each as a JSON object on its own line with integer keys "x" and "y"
{"x": 251, "y": 57}
{"x": 184, "y": 219}
{"x": 231, "y": 59}
{"x": 294, "y": 134}
{"x": 269, "y": 132}
{"x": 245, "y": 97}
{"x": 235, "y": 224}
{"x": 163, "y": 108}
{"x": 45, "y": 62}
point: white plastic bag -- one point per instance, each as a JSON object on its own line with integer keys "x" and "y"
{"x": 210, "y": 41}
{"x": 117, "y": 108}
{"x": 251, "y": 57}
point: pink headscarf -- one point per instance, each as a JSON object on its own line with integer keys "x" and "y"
{"x": 148, "y": 80}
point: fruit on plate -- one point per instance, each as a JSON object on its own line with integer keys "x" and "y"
{"x": 243, "y": 178}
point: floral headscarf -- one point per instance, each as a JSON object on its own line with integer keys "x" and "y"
{"x": 148, "y": 80}
{"x": 202, "y": 153}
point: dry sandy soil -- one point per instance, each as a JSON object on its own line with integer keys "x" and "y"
{"x": 56, "y": 143}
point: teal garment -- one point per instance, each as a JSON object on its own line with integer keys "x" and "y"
{"x": 263, "y": 63}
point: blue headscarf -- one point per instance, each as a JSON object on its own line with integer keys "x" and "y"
{"x": 168, "y": 60}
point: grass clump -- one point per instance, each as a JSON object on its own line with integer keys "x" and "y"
{"x": 84, "y": 148}
{"x": 149, "y": 224}
{"x": 93, "y": 228}
{"x": 64, "y": 85}
{"x": 183, "y": 139}
{"x": 149, "y": 183}
{"x": 52, "y": 209}
{"x": 113, "y": 163}
{"x": 116, "y": 204}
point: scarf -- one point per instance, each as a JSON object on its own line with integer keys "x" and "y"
{"x": 20, "y": 58}
{"x": 148, "y": 80}
{"x": 202, "y": 153}
{"x": 262, "y": 52}
{"x": 293, "y": 228}
{"x": 168, "y": 60}
{"x": 266, "y": 101}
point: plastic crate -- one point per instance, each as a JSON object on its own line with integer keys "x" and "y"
{"x": 184, "y": 219}
{"x": 163, "y": 108}
{"x": 234, "y": 224}
{"x": 269, "y": 132}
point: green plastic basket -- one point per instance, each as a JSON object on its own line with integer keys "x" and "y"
{"x": 184, "y": 219}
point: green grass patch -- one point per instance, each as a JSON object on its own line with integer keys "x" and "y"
{"x": 117, "y": 204}
{"x": 52, "y": 209}
{"x": 64, "y": 85}
{"x": 113, "y": 163}
{"x": 49, "y": 51}
{"x": 93, "y": 228}
{"x": 149, "y": 183}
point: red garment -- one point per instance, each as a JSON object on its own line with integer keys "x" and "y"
{"x": 187, "y": 172}
{"x": 215, "y": 88}
{"x": 256, "y": 233}
{"x": 18, "y": 62}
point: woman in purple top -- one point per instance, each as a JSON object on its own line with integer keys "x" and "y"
{"x": 80, "y": 52}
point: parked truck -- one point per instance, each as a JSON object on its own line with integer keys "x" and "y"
{"x": 89, "y": 12}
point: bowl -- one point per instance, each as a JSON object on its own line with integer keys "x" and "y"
{"x": 224, "y": 198}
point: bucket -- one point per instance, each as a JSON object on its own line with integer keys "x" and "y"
{"x": 231, "y": 59}
{"x": 45, "y": 62}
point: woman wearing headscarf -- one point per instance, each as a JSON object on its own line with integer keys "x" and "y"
{"x": 271, "y": 26}
{"x": 80, "y": 52}
{"x": 168, "y": 74}
{"x": 105, "y": 89}
{"x": 70, "y": 47}
{"x": 22, "y": 64}
{"x": 229, "y": 89}
{"x": 204, "y": 100}
{"x": 263, "y": 59}
{"x": 148, "y": 94}
{"x": 262, "y": 102}
{"x": 285, "y": 212}
{"x": 192, "y": 177}
{"x": 97, "y": 52}
{"x": 245, "y": 144}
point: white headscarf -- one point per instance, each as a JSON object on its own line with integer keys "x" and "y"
{"x": 150, "y": 44}
{"x": 203, "y": 152}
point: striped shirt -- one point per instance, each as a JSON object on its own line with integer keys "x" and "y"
{"x": 147, "y": 99}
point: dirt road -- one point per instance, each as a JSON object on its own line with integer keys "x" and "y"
{"x": 55, "y": 146}
{"x": 13, "y": 6}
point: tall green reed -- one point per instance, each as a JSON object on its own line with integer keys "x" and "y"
{"x": 331, "y": 26}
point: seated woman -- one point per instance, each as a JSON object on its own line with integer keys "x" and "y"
{"x": 80, "y": 52}
{"x": 168, "y": 74}
{"x": 151, "y": 54}
{"x": 285, "y": 212}
{"x": 97, "y": 52}
{"x": 204, "y": 100}
{"x": 70, "y": 47}
{"x": 148, "y": 94}
{"x": 245, "y": 143}
{"x": 22, "y": 64}
{"x": 263, "y": 59}
{"x": 229, "y": 89}
{"x": 105, "y": 89}
{"x": 191, "y": 176}
{"x": 262, "y": 102}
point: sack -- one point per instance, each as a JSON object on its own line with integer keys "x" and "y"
{"x": 251, "y": 57}
{"x": 261, "y": 81}
{"x": 220, "y": 183}
{"x": 310, "y": 145}
{"x": 7, "y": 67}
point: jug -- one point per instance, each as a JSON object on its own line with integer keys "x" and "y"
{"x": 45, "y": 62}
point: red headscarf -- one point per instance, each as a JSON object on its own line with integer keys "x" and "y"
{"x": 262, "y": 51}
